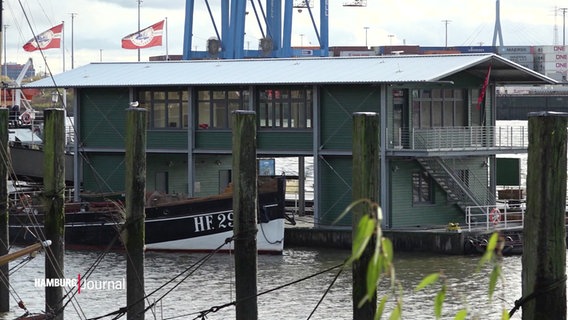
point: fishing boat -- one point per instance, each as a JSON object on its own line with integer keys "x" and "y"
{"x": 195, "y": 225}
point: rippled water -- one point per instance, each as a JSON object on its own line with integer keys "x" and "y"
{"x": 213, "y": 285}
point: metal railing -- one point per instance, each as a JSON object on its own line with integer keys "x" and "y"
{"x": 495, "y": 217}
{"x": 462, "y": 138}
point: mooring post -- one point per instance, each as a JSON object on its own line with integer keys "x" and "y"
{"x": 133, "y": 233}
{"x": 544, "y": 232}
{"x": 365, "y": 183}
{"x": 4, "y": 239}
{"x": 301, "y": 186}
{"x": 54, "y": 200}
{"x": 245, "y": 195}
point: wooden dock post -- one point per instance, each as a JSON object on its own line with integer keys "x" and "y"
{"x": 245, "y": 195}
{"x": 301, "y": 186}
{"x": 365, "y": 186}
{"x": 544, "y": 233}
{"x": 133, "y": 236}
{"x": 4, "y": 236}
{"x": 54, "y": 199}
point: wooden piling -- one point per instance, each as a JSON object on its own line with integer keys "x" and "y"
{"x": 245, "y": 195}
{"x": 4, "y": 239}
{"x": 54, "y": 198}
{"x": 544, "y": 232}
{"x": 133, "y": 233}
{"x": 365, "y": 183}
{"x": 301, "y": 186}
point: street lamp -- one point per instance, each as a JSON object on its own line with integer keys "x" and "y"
{"x": 366, "y": 29}
{"x": 446, "y": 22}
{"x": 54, "y": 98}
{"x": 563, "y": 25}
{"x": 390, "y": 38}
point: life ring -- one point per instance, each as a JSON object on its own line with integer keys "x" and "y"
{"x": 495, "y": 215}
{"x": 26, "y": 118}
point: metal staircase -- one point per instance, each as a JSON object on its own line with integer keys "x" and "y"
{"x": 458, "y": 190}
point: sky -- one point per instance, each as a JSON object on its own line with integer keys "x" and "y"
{"x": 94, "y": 28}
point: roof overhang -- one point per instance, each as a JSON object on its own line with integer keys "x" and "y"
{"x": 295, "y": 71}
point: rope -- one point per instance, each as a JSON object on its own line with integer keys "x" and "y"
{"x": 120, "y": 312}
{"x": 519, "y": 303}
{"x": 325, "y": 293}
{"x": 203, "y": 314}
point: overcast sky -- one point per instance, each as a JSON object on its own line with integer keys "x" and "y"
{"x": 99, "y": 25}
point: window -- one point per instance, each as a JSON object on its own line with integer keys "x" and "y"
{"x": 422, "y": 188}
{"x": 168, "y": 107}
{"x": 214, "y": 107}
{"x": 434, "y": 108}
{"x": 285, "y": 108}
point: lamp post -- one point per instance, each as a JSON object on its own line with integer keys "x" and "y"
{"x": 73, "y": 14}
{"x": 390, "y": 38}
{"x": 301, "y": 39}
{"x": 366, "y": 30}
{"x": 5, "y": 66}
{"x": 563, "y": 25}
{"x": 446, "y": 22}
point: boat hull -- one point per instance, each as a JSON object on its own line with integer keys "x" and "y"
{"x": 196, "y": 225}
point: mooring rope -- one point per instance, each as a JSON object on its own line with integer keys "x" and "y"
{"x": 203, "y": 314}
{"x": 519, "y": 303}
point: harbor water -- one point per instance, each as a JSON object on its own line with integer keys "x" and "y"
{"x": 212, "y": 285}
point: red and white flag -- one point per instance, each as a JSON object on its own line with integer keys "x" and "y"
{"x": 145, "y": 38}
{"x": 49, "y": 39}
{"x": 483, "y": 88}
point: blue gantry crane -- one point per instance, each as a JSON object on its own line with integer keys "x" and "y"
{"x": 274, "y": 20}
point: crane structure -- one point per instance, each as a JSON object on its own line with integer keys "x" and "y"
{"x": 274, "y": 20}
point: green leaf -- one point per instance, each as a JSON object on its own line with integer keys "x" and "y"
{"x": 428, "y": 280}
{"x": 381, "y": 307}
{"x": 505, "y": 315}
{"x": 363, "y": 233}
{"x": 388, "y": 251}
{"x": 396, "y": 313}
{"x": 492, "y": 242}
{"x": 493, "y": 277}
{"x": 350, "y": 207}
{"x": 489, "y": 250}
{"x": 373, "y": 274}
{"x": 439, "y": 301}
{"x": 461, "y": 315}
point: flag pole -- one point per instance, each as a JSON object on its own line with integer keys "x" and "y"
{"x": 63, "y": 43}
{"x": 139, "y": 1}
{"x": 167, "y": 55}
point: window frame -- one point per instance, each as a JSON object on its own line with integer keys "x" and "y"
{"x": 284, "y": 108}
{"x": 219, "y": 103}
{"x": 439, "y": 107}
{"x": 422, "y": 188}
{"x": 173, "y": 102}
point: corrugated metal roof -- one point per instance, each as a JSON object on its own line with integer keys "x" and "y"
{"x": 376, "y": 69}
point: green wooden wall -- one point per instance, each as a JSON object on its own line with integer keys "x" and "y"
{"x": 103, "y": 172}
{"x": 285, "y": 140}
{"x": 336, "y": 192}
{"x": 338, "y": 103}
{"x": 103, "y": 117}
{"x": 405, "y": 214}
{"x": 207, "y": 173}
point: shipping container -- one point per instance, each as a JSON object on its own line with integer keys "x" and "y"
{"x": 387, "y": 50}
{"x": 519, "y": 58}
{"x": 515, "y": 50}
{"x": 551, "y": 49}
